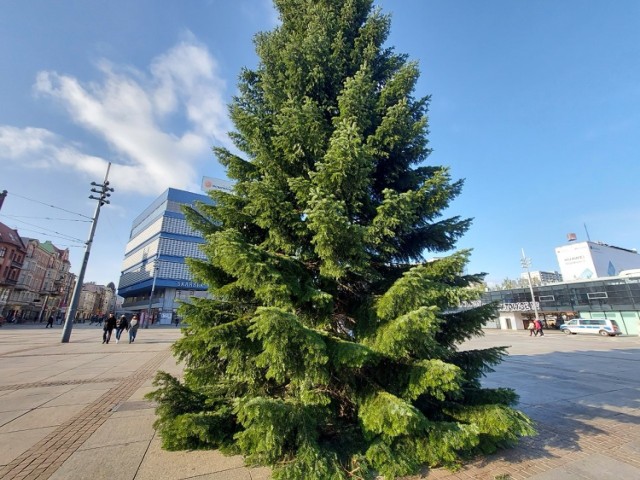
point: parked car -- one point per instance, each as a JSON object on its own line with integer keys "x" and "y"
{"x": 599, "y": 326}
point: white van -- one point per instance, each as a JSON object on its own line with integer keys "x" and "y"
{"x": 600, "y": 326}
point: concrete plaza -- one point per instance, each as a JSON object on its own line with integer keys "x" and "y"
{"x": 77, "y": 410}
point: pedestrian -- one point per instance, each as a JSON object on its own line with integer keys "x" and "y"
{"x": 49, "y": 322}
{"x": 531, "y": 328}
{"x": 538, "y": 328}
{"x": 133, "y": 328}
{"x": 121, "y": 325}
{"x": 109, "y": 325}
{"x": 177, "y": 321}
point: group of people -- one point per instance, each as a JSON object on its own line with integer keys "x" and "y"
{"x": 535, "y": 328}
{"x": 120, "y": 325}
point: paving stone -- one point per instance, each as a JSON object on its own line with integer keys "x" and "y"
{"x": 159, "y": 463}
{"x": 595, "y": 467}
{"x": 6, "y": 417}
{"x": 13, "y": 444}
{"x": 77, "y": 397}
{"x": 107, "y": 463}
{"x": 121, "y": 431}
{"x": 42, "y": 417}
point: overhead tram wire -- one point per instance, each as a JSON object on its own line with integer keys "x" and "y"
{"x": 60, "y": 234}
{"x": 52, "y": 236}
{"x": 47, "y": 218}
{"x": 48, "y": 235}
{"x": 49, "y": 205}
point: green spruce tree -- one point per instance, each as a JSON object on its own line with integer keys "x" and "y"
{"x": 330, "y": 347}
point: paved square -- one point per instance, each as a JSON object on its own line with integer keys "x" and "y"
{"x": 77, "y": 410}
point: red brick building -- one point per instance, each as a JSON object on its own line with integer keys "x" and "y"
{"x": 12, "y": 254}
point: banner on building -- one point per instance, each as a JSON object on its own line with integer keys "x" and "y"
{"x": 210, "y": 183}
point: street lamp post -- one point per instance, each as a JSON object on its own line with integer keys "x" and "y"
{"x": 153, "y": 289}
{"x": 526, "y": 263}
{"x": 104, "y": 192}
{"x": 43, "y": 309}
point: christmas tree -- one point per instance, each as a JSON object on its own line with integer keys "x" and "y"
{"x": 329, "y": 346}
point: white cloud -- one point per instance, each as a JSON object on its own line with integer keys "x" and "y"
{"x": 16, "y": 142}
{"x": 130, "y": 110}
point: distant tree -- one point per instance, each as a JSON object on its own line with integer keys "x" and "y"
{"x": 508, "y": 284}
{"x": 330, "y": 349}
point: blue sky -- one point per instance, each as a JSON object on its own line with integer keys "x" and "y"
{"x": 535, "y": 104}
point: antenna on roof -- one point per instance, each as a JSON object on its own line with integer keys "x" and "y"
{"x": 587, "y": 232}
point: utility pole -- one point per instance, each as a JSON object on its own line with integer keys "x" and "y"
{"x": 153, "y": 288}
{"x": 3, "y": 195}
{"x": 43, "y": 309}
{"x": 526, "y": 263}
{"x": 104, "y": 192}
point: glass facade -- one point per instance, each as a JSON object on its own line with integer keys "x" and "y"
{"x": 154, "y": 269}
{"x": 612, "y": 297}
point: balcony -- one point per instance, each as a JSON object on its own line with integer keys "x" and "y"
{"x": 21, "y": 286}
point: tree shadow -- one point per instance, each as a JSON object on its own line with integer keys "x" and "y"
{"x": 574, "y": 398}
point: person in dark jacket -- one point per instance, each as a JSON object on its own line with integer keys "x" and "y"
{"x": 109, "y": 325}
{"x": 121, "y": 325}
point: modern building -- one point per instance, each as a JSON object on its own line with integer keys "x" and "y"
{"x": 616, "y": 298}
{"x": 585, "y": 260}
{"x": 155, "y": 276}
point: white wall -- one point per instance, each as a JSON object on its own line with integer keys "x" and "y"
{"x": 584, "y": 260}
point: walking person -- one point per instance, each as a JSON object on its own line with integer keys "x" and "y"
{"x": 538, "y": 327}
{"x": 531, "y": 328}
{"x": 121, "y": 324}
{"x": 49, "y": 322}
{"x": 109, "y": 325}
{"x": 133, "y": 328}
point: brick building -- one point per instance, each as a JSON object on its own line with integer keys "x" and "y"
{"x": 12, "y": 253}
{"x": 43, "y": 283}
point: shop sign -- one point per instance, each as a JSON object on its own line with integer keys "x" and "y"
{"x": 518, "y": 307}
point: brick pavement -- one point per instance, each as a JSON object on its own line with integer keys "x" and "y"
{"x": 18, "y": 386}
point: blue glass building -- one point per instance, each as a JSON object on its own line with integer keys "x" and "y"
{"x": 154, "y": 273}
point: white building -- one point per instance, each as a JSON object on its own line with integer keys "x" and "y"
{"x": 587, "y": 260}
{"x": 542, "y": 278}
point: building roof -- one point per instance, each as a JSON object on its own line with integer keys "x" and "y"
{"x": 48, "y": 247}
{"x": 9, "y": 235}
{"x": 174, "y": 195}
